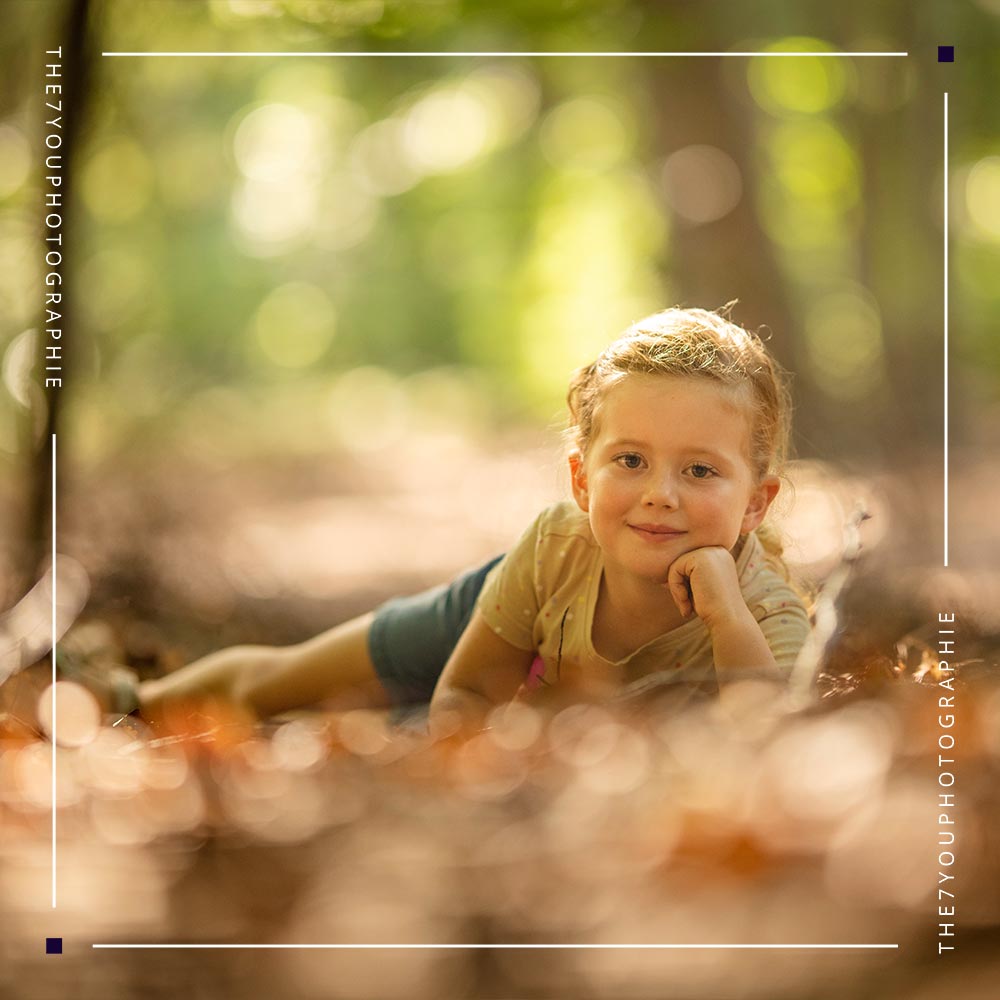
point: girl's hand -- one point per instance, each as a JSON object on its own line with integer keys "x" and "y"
{"x": 704, "y": 582}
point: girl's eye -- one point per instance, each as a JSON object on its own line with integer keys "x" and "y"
{"x": 630, "y": 460}
{"x": 700, "y": 471}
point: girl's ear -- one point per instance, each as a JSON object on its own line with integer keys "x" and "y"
{"x": 760, "y": 499}
{"x": 578, "y": 478}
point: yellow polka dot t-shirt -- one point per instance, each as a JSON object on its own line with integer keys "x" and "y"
{"x": 543, "y": 594}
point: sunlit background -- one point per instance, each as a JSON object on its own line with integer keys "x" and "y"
{"x": 390, "y": 267}
{"x": 321, "y": 314}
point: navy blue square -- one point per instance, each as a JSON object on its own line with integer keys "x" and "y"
{"x": 53, "y": 946}
{"x": 946, "y": 53}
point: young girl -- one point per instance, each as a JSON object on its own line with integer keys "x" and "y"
{"x": 677, "y": 433}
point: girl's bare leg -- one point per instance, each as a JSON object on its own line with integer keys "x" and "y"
{"x": 334, "y": 667}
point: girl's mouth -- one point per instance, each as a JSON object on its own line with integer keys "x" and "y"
{"x": 656, "y": 532}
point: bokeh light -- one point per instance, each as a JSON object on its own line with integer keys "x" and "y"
{"x": 592, "y": 275}
{"x": 73, "y": 710}
{"x": 278, "y": 143}
{"x": 273, "y": 215}
{"x": 448, "y": 129}
{"x": 843, "y": 331}
{"x": 814, "y": 162}
{"x": 829, "y": 769}
{"x": 379, "y": 158}
{"x": 18, "y": 365}
{"x": 295, "y": 324}
{"x": 813, "y": 529}
{"x": 511, "y": 93}
{"x": 801, "y": 85}
{"x": 810, "y": 190}
{"x": 982, "y": 197}
{"x": 702, "y": 183}
{"x": 347, "y": 212}
{"x": 281, "y": 152}
{"x": 882, "y": 857}
{"x": 15, "y": 159}
{"x": 587, "y": 134}
{"x": 117, "y": 181}
{"x": 20, "y": 266}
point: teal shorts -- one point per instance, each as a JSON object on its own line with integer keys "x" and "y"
{"x": 411, "y": 638}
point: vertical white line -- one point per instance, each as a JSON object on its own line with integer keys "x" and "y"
{"x": 946, "y": 329}
{"x": 53, "y": 571}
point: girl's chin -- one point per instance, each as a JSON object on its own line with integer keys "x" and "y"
{"x": 651, "y": 573}
{"x": 656, "y": 567}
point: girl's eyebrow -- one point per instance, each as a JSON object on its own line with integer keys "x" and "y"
{"x": 627, "y": 443}
{"x": 707, "y": 450}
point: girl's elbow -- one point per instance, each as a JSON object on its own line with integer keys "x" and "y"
{"x": 457, "y": 710}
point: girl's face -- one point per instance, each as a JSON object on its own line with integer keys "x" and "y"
{"x": 668, "y": 471}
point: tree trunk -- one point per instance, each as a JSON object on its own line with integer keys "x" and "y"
{"x": 730, "y": 257}
{"x": 76, "y": 83}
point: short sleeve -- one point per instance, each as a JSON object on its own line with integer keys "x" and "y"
{"x": 509, "y": 601}
{"x": 785, "y": 623}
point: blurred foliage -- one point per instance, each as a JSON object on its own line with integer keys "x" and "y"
{"x": 252, "y": 232}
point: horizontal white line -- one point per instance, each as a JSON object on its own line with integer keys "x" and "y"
{"x": 507, "y": 55}
{"x": 470, "y": 946}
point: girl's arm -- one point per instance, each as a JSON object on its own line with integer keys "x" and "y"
{"x": 222, "y": 675}
{"x": 738, "y": 644}
{"x": 483, "y": 671}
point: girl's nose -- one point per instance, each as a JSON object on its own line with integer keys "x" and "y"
{"x": 661, "y": 491}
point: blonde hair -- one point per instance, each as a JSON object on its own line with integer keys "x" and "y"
{"x": 693, "y": 343}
